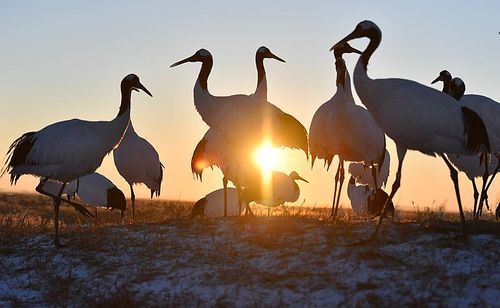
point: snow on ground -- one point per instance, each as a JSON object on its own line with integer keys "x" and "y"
{"x": 253, "y": 261}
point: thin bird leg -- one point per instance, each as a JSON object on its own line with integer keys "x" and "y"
{"x": 335, "y": 190}
{"x": 476, "y": 196}
{"x": 132, "y": 197}
{"x": 395, "y": 186}
{"x": 341, "y": 182}
{"x": 493, "y": 176}
{"x": 454, "y": 178}
{"x": 224, "y": 184}
{"x": 96, "y": 222}
{"x": 483, "y": 188}
{"x": 57, "y": 203}
{"x": 79, "y": 207}
{"x": 485, "y": 191}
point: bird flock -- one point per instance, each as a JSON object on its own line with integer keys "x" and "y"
{"x": 462, "y": 129}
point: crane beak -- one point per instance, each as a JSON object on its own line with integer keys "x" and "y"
{"x": 189, "y": 59}
{"x": 351, "y": 49}
{"x": 436, "y": 80}
{"x": 351, "y": 36}
{"x": 277, "y": 58}
{"x": 143, "y": 88}
{"x": 302, "y": 179}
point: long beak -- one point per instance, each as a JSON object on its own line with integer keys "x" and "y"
{"x": 277, "y": 58}
{"x": 302, "y": 179}
{"x": 353, "y": 50}
{"x": 189, "y": 59}
{"x": 346, "y": 39}
{"x": 143, "y": 88}
{"x": 436, "y": 80}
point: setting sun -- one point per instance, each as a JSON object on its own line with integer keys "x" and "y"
{"x": 266, "y": 157}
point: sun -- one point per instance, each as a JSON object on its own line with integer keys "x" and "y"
{"x": 266, "y": 157}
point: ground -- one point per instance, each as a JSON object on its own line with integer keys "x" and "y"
{"x": 296, "y": 257}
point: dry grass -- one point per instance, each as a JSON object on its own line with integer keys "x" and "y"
{"x": 297, "y": 256}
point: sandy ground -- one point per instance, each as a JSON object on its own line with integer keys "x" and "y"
{"x": 248, "y": 261}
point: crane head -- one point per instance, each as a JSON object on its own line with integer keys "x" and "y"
{"x": 365, "y": 28}
{"x": 295, "y": 176}
{"x": 444, "y": 76}
{"x": 340, "y": 49}
{"x": 264, "y": 53}
{"x": 201, "y": 55}
{"x": 132, "y": 82}
{"x": 116, "y": 200}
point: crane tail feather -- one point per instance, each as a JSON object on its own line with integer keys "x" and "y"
{"x": 475, "y": 130}
{"x": 17, "y": 155}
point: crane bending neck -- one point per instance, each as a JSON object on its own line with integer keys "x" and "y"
{"x": 206, "y": 68}
{"x": 375, "y": 39}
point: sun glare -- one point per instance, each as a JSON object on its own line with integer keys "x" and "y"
{"x": 266, "y": 157}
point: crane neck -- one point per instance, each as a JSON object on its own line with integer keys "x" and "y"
{"x": 261, "y": 76}
{"x": 375, "y": 38}
{"x": 125, "y": 103}
{"x": 206, "y": 68}
{"x": 446, "y": 86}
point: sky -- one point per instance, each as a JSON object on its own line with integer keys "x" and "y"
{"x": 62, "y": 60}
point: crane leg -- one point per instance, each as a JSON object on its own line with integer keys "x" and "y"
{"x": 95, "y": 213}
{"x": 476, "y": 196}
{"x": 132, "y": 197}
{"x": 483, "y": 188}
{"x": 224, "y": 184}
{"x": 57, "y": 203}
{"x": 454, "y": 178}
{"x": 335, "y": 190}
{"x": 341, "y": 182}
{"x": 394, "y": 189}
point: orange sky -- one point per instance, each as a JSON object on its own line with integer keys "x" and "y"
{"x": 61, "y": 61}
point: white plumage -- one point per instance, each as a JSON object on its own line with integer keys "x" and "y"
{"x": 212, "y": 205}
{"x": 473, "y": 165}
{"x": 280, "y": 189}
{"x": 94, "y": 190}
{"x": 485, "y": 107}
{"x": 415, "y": 116}
{"x": 217, "y": 147}
{"x": 358, "y": 195}
{"x": 319, "y": 141}
{"x": 137, "y": 161}
{"x": 318, "y": 136}
{"x": 213, "y": 149}
{"x": 70, "y": 149}
{"x": 245, "y": 120}
{"x": 352, "y": 133}
{"x": 364, "y": 175}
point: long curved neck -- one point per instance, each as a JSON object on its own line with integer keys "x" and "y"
{"x": 446, "y": 86}
{"x": 261, "y": 88}
{"x": 345, "y": 86}
{"x": 206, "y": 68}
{"x": 125, "y": 104}
{"x": 372, "y": 46}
